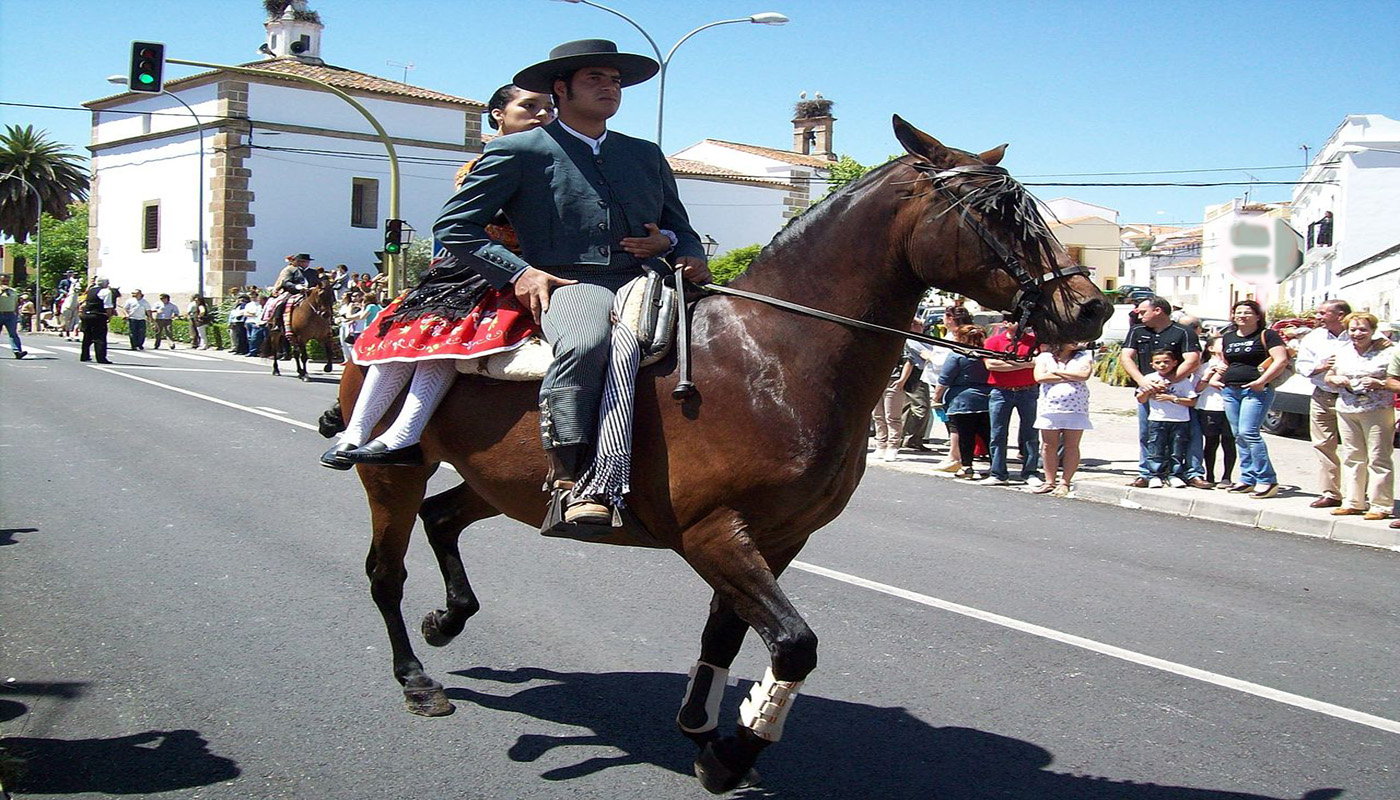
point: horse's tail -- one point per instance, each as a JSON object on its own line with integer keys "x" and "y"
{"x": 331, "y": 422}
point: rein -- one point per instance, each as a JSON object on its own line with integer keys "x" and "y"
{"x": 958, "y": 347}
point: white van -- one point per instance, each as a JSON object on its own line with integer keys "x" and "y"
{"x": 1116, "y": 329}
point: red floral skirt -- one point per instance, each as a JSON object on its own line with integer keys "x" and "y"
{"x": 498, "y": 323}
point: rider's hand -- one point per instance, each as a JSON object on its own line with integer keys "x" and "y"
{"x": 693, "y": 269}
{"x": 533, "y": 288}
{"x": 655, "y": 243}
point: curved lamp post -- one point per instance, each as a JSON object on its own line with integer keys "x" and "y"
{"x": 766, "y": 18}
{"x": 121, "y": 80}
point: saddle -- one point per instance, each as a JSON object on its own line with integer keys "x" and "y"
{"x": 649, "y": 308}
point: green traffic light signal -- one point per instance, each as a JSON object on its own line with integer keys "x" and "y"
{"x": 393, "y": 236}
{"x": 147, "y": 64}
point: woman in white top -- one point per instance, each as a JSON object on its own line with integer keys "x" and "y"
{"x": 1210, "y": 407}
{"x": 1062, "y": 412}
{"x": 1366, "y": 416}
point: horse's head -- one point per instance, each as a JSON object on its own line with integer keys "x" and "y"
{"x": 1003, "y": 254}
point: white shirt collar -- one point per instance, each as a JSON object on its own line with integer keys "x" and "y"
{"x": 595, "y": 144}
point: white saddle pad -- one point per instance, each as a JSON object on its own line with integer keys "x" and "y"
{"x": 532, "y": 358}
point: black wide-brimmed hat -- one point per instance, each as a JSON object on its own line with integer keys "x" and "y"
{"x": 302, "y": 257}
{"x": 570, "y": 56}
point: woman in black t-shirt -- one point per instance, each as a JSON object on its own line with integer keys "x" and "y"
{"x": 1254, "y": 356}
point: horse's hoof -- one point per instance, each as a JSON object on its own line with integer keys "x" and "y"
{"x": 428, "y": 702}
{"x": 717, "y": 777}
{"x": 432, "y": 630}
{"x": 304, "y": 378}
{"x": 327, "y": 368}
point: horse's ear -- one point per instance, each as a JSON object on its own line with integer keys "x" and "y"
{"x": 919, "y": 143}
{"x": 993, "y": 157}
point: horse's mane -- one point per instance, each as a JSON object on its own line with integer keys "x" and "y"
{"x": 993, "y": 195}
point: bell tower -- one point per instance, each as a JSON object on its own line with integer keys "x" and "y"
{"x": 293, "y": 31}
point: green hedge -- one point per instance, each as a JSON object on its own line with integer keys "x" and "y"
{"x": 219, "y": 336}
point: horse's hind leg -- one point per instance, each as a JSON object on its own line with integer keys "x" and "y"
{"x": 394, "y": 496}
{"x": 326, "y": 343}
{"x": 444, "y": 517}
{"x": 748, "y": 584}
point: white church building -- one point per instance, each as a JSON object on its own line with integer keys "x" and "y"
{"x": 288, "y": 168}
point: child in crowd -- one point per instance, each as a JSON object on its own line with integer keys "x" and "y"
{"x": 1210, "y": 407}
{"x": 1168, "y": 423}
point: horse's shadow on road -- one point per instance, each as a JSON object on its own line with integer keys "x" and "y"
{"x": 831, "y": 748}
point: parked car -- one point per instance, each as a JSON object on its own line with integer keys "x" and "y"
{"x": 1131, "y": 293}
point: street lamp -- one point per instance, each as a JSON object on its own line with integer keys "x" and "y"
{"x": 710, "y": 245}
{"x": 766, "y": 18}
{"x": 121, "y": 80}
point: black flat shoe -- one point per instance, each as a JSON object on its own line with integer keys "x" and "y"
{"x": 335, "y": 457}
{"x": 377, "y": 454}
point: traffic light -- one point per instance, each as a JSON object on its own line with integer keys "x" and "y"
{"x": 147, "y": 66}
{"x": 393, "y": 236}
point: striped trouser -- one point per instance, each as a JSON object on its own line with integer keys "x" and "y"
{"x": 579, "y": 326}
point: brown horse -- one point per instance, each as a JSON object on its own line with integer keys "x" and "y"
{"x": 736, "y": 477}
{"x": 312, "y": 319}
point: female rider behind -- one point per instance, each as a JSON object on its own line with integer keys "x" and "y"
{"x": 452, "y": 314}
{"x": 1254, "y": 356}
{"x": 1366, "y": 417}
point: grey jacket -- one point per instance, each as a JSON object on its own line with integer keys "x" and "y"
{"x": 568, "y": 207}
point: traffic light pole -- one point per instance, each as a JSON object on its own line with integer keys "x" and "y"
{"x": 393, "y": 263}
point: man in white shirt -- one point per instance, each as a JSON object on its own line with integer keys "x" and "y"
{"x": 165, "y": 312}
{"x": 1316, "y": 352}
{"x": 252, "y": 315}
{"x": 137, "y": 309}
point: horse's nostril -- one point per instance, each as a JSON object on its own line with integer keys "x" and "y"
{"x": 1095, "y": 310}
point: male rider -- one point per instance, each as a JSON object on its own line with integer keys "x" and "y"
{"x": 575, "y": 193}
{"x": 295, "y": 278}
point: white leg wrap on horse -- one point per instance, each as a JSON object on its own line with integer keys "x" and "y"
{"x": 767, "y": 706}
{"x": 382, "y": 384}
{"x": 431, "y": 380}
{"x": 719, "y": 678}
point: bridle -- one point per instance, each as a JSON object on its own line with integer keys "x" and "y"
{"x": 1030, "y": 288}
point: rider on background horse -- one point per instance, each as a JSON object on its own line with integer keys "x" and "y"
{"x": 610, "y": 187}
{"x": 293, "y": 280}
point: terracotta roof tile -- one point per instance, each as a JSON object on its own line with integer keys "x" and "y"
{"x": 685, "y": 167}
{"x": 775, "y": 154}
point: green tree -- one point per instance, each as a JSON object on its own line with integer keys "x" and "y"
{"x": 65, "y": 246}
{"x": 417, "y": 258}
{"x": 845, "y": 170}
{"x": 59, "y": 176}
{"x": 728, "y": 266}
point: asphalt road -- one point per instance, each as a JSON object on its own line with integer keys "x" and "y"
{"x": 183, "y": 613}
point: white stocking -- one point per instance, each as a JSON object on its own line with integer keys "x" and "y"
{"x": 431, "y": 381}
{"x": 381, "y": 386}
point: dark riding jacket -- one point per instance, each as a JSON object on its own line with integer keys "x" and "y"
{"x": 569, "y": 208}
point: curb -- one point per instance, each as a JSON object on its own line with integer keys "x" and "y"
{"x": 1338, "y": 530}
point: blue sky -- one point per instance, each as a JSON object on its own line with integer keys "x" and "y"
{"x": 1085, "y": 87}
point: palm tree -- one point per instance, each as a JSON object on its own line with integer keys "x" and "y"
{"x": 48, "y": 166}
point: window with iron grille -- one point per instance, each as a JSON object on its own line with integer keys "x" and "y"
{"x": 150, "y": 225}
{"x": 364, "y": 203}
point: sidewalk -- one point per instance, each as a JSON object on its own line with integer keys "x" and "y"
{"x": 1110, "y": 456}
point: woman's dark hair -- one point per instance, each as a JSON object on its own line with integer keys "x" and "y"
{"x": 1252, "y": 306}
{"x": 500, "y": 99}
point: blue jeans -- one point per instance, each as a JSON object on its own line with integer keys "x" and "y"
{"x": 1196, "y": 452}
{"x": 1000, "y": 405}
{"x": 9, "y": 320}
{"x": 1245, "y": 410}
{"x": 1168, "y": 449}
{"x": 136, "y": 332}
{"x": 256, "y": 334}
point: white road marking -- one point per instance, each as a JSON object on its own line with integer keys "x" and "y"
{"x": 145, "y": 355}
{"x": 272, "y": 410}
{"x": 1268, "y": 693}
{"x": 163, "y": 368}
{"x": 38, "y": 351}
{"x": 66, "y": 348}
{"x": 190, "y": 356}
{"x": 249, "y": 409}
{"x": 1215, "y": 679}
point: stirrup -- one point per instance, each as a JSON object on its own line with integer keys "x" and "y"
{"x": 560, "y": 498}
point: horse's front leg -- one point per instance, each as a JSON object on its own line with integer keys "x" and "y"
{"x": 394, "y": 496}
{"x": 330, "y": 354}
{"x": 444, "y": 517}
{"x": 743, "y": 580}
{"x": 719, "y": 644}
